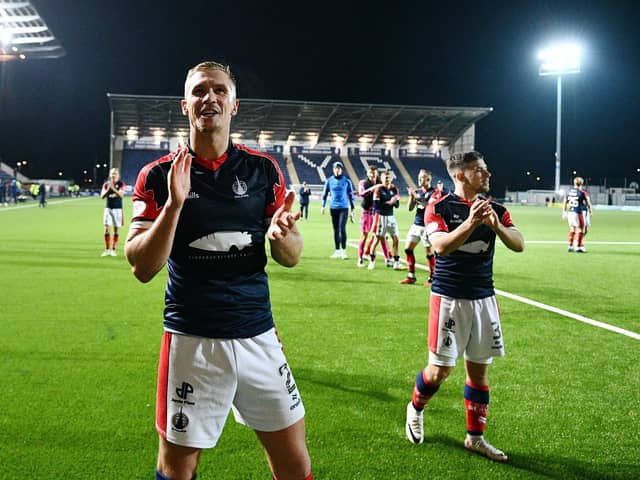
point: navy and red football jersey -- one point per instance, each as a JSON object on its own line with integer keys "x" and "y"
{"x": 467, "y": 272}
{"x": 576, "y": 199}
{"x": 217, "y": 285}
{"x": 113, "y": 199}
{"x": 380, "y": 198}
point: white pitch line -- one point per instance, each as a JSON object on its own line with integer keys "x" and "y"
{"x": 32, "y": 205}
{"x": 549, "y": 308}
{"x": 564, "y": 242}
{"x": 565, "y": 313}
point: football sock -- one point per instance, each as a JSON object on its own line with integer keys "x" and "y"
{"x": 431, "y": 259}
{"x": 115, "y": 241}
{"x": 411, "y": 260}
{"x": 310, "y": 477}
{"x": 580, "y": 236}
{"x": 476, "y": 402}
{"x": 385, "y": 248}
{"x": 107, "y": 241}
{"x": 360, "y": 248}
{"x": 161, "y": 476}
{"x": 422, "y": 392}
{"x": 571, "y": 235}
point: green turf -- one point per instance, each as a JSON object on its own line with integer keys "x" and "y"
{"x": 80, "y": 340}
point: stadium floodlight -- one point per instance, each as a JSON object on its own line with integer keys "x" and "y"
{"x": 559, "y": 60}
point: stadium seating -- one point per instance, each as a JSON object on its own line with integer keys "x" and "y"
{"x": 361, "y": 160}
{"x": 414, "y": 162}
{"x": 132, "y": 163}
{"x": 314, "y": 166}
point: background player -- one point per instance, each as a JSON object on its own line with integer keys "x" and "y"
{"x": 577, "y": 201}
{"x": 463, "y": 312}
{"x": 386, "y": 197}
{"x": 418, "y": 198}
{"x": 305, "y": 193}
{"x": 365, "y": 191}
{"x": 113, "y": 191}
{"x": 207, "y": 211}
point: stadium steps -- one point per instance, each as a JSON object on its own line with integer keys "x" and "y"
{"x": 404, "y": 172}
{"x": 350, "y": 170}
{"x": 291, "y": 168}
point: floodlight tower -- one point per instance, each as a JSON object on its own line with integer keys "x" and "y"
{"x": 559, "y": 60}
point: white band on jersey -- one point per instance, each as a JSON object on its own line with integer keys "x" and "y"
{"x": 459, "y": 326}
{"x": 201, "y": 379}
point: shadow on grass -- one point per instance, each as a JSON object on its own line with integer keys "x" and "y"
{"x": 551, "y": 466}
{"x": 365, "y": 385}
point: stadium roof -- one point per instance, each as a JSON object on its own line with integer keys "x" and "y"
{"x": 297, "y": 122}
{"x": 24, "y": 34}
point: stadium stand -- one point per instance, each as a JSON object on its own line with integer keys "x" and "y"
{"x": 361, "y": 160}
{"x": 314, "y": 166}
{"x": 132, "y": 163}
{"x": 413, "y": 162}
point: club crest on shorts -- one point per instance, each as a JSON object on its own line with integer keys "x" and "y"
{"x": 179, "y": 421}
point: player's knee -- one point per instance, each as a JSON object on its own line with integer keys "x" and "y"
{"x": 436, "y": 374}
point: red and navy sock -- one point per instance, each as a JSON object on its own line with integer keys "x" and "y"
{"x": 476, "y": 402}
{"x": 310, "y": 477}
{"x": 411, "y": 260}
{"x": 580, "y": 236}
{"x": 115, "y": 241}
{"x": 422, "y": 391}
{"x": 162, "y": 476}
{"x": 571, "y": 235}
{"x": 431, "y": 259}
{"x": 107, "y": 241}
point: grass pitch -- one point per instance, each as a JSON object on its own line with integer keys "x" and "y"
{"x": 81, "y": 338}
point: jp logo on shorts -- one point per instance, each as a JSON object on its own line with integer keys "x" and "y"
{"x": 179, "y": 422}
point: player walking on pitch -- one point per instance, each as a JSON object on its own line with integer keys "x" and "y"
{"x": 463, "y": 313}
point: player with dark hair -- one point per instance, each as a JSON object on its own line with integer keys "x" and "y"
{"x": 464, "y": 318}
{"x": 207, "y": 211}
{"x": 305, "y": 193}
{"x": 340, "y": 188}
{"x": 576, "y": 208}
{"x": 113, "y": 191}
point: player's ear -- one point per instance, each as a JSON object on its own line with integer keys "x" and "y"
{"x": 183, "y": 106}
{"x": 234, "y": 112}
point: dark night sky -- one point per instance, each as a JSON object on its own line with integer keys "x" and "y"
{"x": 54, "y": 113}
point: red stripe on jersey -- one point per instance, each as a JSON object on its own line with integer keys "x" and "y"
{"x": 151, "y": 209}
{"x": 432, "y": 221}
{"x": 279, "y": 188}
{"x": 434, "y": 321}
{"x": 161, "y": 393}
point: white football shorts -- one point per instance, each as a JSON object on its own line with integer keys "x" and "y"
{"x": 201, "y": 379}
{"x": 417, "y": 233}
{"x": 576, "y": 219}
{"x": 385, "y": 224}
{"x": 112, "y": 217}
{"x": 460, "y": 326}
